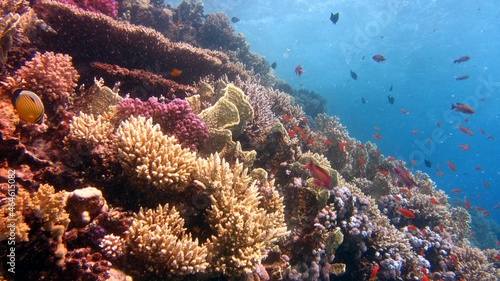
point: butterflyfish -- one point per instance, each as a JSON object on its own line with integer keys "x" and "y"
{"x": 28, "y": 105}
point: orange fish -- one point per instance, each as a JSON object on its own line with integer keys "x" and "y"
{"x": 291, "y": 133}
{"x": 361, "y": 161}
{"x": 486, "y": 213}
{"x": 361, "y": 146}
{"x": 385, "y": 173}
{"x": 464, "y": 146}
{"x": 479, "y": 168}
{"x": 464, "y": 108}
{"x": 415, "y": 132}
{"x": 451, "y": 165}
{"x": 310, "y": 140}
{"x": 328, "y": 142}
{"x": 397, "y": 197}
{"x": 303, "y": 135}
{"x": 412, "y": 227}
{"x": 467, "y": 204}
{"x": 440, "y": 173}
{"x": 287, "y": 118}
{"x": 378, "y": 58}
{"x": 404, "y": 111}
{"x": 319, "y": 174}
{"x": 377, "y": 136}
{"x": 424, "y": 278}
{"x": 434, "y": 201}
{"x": 407, "y": 213}
{"x": 342, "y": 145}
{"x": 175, "y": 72}
{"x": 441, "y": 228}
{"x": 297, "y": 128}
{"x": 466, "y": 130}
{"x": 486, "y": 184}
{"x": 457, "y": 190}
{"x": 374, "y": 273}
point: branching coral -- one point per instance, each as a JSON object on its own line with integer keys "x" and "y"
{"x": 159, "y": 239}
{"x": 245, "y": 231}
{"x": 151, "y": 156}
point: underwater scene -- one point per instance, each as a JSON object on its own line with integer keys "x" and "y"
{"x": 249, "y": 140}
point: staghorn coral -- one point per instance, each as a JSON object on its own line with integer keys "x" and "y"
{"x": 90, "y": 130}
{"x": 151, "y": 156}
{"x": 245, "y": 231}
{"x": 158, "y": 238}
{"x": 139, "y": 48}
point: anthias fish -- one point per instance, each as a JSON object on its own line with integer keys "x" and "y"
{"x": 404, "y": 175}
{"x": 461, "y": 107}
{"x": 319, "y": 174}
{"x": 299, "y": 70}
{"x": 407, "y": 213}
{"x": 465, "y": 130}
{"x": 461, "y": 59}
{"x": 378, "y": 58}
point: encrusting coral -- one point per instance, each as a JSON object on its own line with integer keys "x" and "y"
{"x": 151, "y": 156}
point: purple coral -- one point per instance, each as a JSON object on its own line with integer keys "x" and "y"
{"x": 106, "y": 7}
{"x": 175, "y": 118}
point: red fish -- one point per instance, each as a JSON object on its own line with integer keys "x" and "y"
{"x": 440, "y": 173}
{"x": 378, "y": 58}
{"x": 310, "y": 140}
{"x": 404, "y": 111}
{"x": 451, "y": 165}
{"x": 460, "y": 78}
{"x": 479, "y": 168}
{"x": 486, "y": 184}
{"x": 374, "y": 273}
{"x": 319, "y": 174}
{"x": 299, "y": 70}
{"x": 457, "y": 190}
{"x": 385, "y": 173}
{"x": 287, "y": 118}
{"x": 361, "y": 146}
{"x": 328, "y": 142}
{"x": 304, "y": 120}
{"x": 434, "y": 201}
{"x": 464, "y": 146}
{"x": 297, "y": 128}
{"x": 343, "y": 145}
{"x": 404, "y": 175}
{"x": 390, "y": 158}
{"x": 407, "y": 213}
{"x": 415, "y": 132}
{"x": 479, "y": 208}
{"x": 176, "y": 72}
{"x": 466, "y": 130}
{"x": 486, "y": 213}
{"x": 467, "y": 204}
{"x": 461, "y": 59}
{"x": 291, "y": 133}
{"x": 361, "y": 161}
{"x": 483, "y": 131}
{"x": 461, "y": 107}
{"x": 377, "y": 136}
{"x": 411, "y": 227}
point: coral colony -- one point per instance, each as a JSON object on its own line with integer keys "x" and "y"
{"x": 162, "y": 156}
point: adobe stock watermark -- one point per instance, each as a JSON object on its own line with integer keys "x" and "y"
{"x": 11, "y": 222}
{"x": 426, "y": 148}
{"x": 373, "y": 28}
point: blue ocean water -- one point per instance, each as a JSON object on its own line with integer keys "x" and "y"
{"x": 420, "y": 40}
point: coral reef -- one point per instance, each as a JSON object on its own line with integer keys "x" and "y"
{"x": 106, "y": 7}
{"x": 149, "y": 155}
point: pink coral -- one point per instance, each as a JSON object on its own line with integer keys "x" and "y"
{"x": 174, "y": 118}
{"x": 106, "y": 7}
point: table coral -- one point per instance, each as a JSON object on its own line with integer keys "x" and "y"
{"x": 151, "y": 156}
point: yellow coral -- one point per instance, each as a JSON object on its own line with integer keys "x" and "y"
{"x": 151, "y": 156}
{"x": 159, "y": 237}
{"x": 92, "y": 130}
{"x": 13, "y": 212}
{"x": 244, "y": 230}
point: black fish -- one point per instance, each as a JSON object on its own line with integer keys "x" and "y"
{"x": 390, "y": 89}
{"x": 428, "y": 163}
{"x": 354, "y": 75}
{"x": 363, "y": 100}
{"x": 235, "y": 19}
{"x": 334, "y": 18}
{"x": 391, "y": 99}
{"x": 273, "y": 66}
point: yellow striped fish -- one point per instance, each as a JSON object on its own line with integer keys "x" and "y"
{"x": 28, "y": 105}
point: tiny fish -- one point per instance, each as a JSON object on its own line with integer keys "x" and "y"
{"x": 390, "y": 89}
{"x": 363, "y": 100}
{"x": 451, "y": 165}
{"x": 334, "y": 18}
{"x": 465, "y": 130}
{"x": 390, "y": 98}
{"x": 377, "y": 136}
{"x": 354, "y": 75}
{"x": 461, "y": 59}
{"x": 407, "y": 213}
{"x": 463, "y": 77}
{"x": 235, "y": 19}
{"x": 378, "y": 58}
{"x": 464, "y": 108}
{"x": 28, "y": 105}
{"x": 427, "y": 163}
{"x": 176, "y": 72}
{"x": 273, "y": 65}
{"x": 299, "y": 70}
